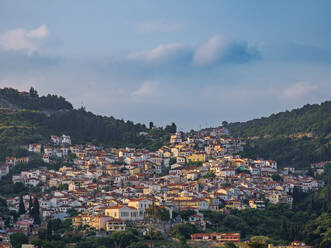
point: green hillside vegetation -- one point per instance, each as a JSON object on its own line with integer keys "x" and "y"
{"x": 21, "y": 126}
{"x": 292, "y": 138}
{"x": 31, "y": 100}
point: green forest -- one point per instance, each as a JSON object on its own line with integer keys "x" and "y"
{"x": 31, "y": 125}
{"x": 31, "y": 100}
{"x": 292, "y": 138}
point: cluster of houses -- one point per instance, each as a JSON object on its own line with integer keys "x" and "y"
{"x": 111, "y": 187}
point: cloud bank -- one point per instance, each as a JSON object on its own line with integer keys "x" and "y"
{"x": 146, "y": 89}
{"x": 216, "y": 50}
{"x": 23, "y": 40}
{"x": 162, "y": 53}
{"x": 221, "y": 50}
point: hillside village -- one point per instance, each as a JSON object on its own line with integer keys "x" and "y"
{"x": 113, "y": 189}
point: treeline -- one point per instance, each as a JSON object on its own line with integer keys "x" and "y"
{"x": 293, "y": 138}
{"x": 31, "y": 100}
{"x": 84, "y": 126}
{"x": 23, "y": 126}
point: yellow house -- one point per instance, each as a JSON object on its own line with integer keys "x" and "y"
{"x": 115, "y": 225}
{"x": 186, "y": 203}
{"x": 123, "y": 212}
{"x": 167, "y": 154}
{"x": 234, "y": 204}
{"x": 99, "y": 221}
{"x": 134, "y": 171}
{"x": 81, "y": 220}
{"x": 54, "y": 183}
{"x": 218, "y": 148}
{"x": 197, "y": 157}
{"x": 22, "y": 160}
{"x": 95, "y": 221}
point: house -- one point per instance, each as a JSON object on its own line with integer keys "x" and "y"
{"x": 255, "y": 203}
{"x": 227, "y": 172}
{"x": 181, "y": 160}
{"x": 296, "y": 244}
{"x": 140, "y": 204}
{"x": 56, "y": 140}
{"x": 196, "y": 157}
{"x": 192, "y": 176}
{"x": 115, "y": 225}
{"x": 220, "y": 237}
{"x": 4, "y": 170}
{"x": 123, "y": 212}
{"x": 234, "y": 204}
{"x": 46, "y": 158}
{"x": 11, "y": 161}
{"x": 35, "y": 148}
{"x": 66, "y": 139}
{"x": 99, "y": 221}
{"x": 175, "y": 138}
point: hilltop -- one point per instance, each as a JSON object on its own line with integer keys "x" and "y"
{"x": 13, "y": 99}
{"x": 292, "y": 138}
{"x": 26, "y": 117}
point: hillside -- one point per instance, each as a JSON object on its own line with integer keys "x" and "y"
{"x": 26, "y": 119}
{"x": 13, "y": 99}
{"x": 293, "y": 138}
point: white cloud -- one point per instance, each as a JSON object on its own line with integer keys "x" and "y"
{"x": 298, "y": 90}
{"x": 21, "y": 39}
{"x": 210, "y": 51}
{"x": 219, "y": 49}
{"x": 40, "y": 32}
{"x": 161, "y": 53}
{"x": 148, "y": 88}
{"x": 159, "y": 26}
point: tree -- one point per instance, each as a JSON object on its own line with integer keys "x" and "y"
{"x": 229, "y": 245}
{"x": 17, "y": 239}
{"x": 73, "y": 212}
{"x": 184, "y": 230}
{"x": 276, "y": 177}
{"x": 36, "y": 212}
{"x": 138, "y": 245}
{"x": 30, "y": 205}
{"x": 171, "y": 128}
{"x": 172, "y": 161}
{"x": 122, "y": 239}
{"x": 258, "y": 242}
{"x": 151, "y": 125}
{"x": 21, "y": 209}
{"x": 284, "y": 229}
{"x": 33, "y": 92}
{"x": 210, "y": 174}
{"x": 160, "y": 213}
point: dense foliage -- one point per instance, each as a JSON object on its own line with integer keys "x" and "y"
{"x": 20, "y": 126}
{"x": 296, "y": 138}
{"x": 31, "y": 100}
{"x": 61, "y": 233}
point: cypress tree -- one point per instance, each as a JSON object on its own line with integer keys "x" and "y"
{"x": 21, "y": 209}
{"x": 283, "y": 229}
{"x": 30, "y": 205}
{"x": 49, "y": 230}
{"x": 312, "y": 203}
{"x": 36, "y": 212}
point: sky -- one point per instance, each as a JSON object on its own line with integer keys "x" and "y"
{"x": 195, "y": 63}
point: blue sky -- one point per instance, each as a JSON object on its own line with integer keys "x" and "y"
{"x": 195, "y": 63}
